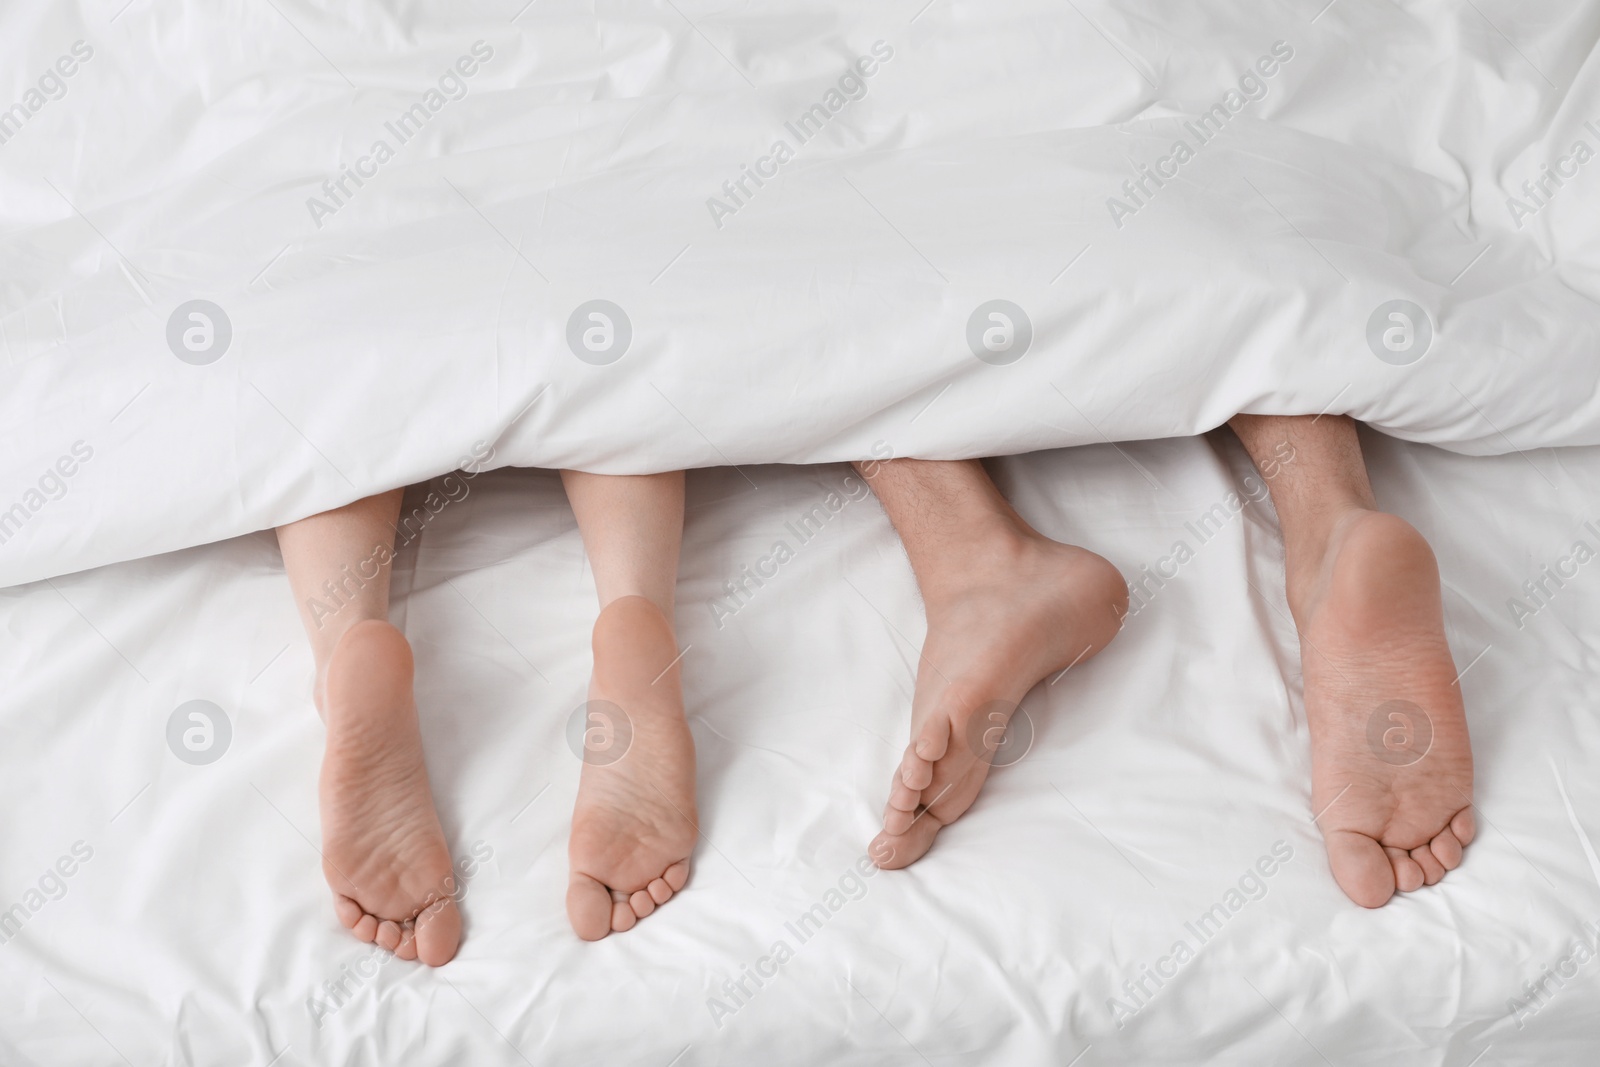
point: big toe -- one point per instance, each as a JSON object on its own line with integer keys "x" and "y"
{"x": 1361, "y": 868}
{"x": 1446, "y": 849}
{"x": 677, "y": 875}
{"x": 438, "y": 933}
{"x": 588, "y": 907}
{"x": 894, "y": 851}
{"x": 349, "y": 912}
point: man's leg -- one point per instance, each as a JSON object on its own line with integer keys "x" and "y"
{"x": 634, "y": 825}
{"x": 1391, "y": 767}
{"x": 1006, "y": 606}
{"x": 384, "y": 854}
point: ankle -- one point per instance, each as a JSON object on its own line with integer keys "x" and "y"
{"x": 1308, "y": 553}
{"x": 977, "y": 554}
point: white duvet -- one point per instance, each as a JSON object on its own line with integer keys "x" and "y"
{"x": 264, "y": 258}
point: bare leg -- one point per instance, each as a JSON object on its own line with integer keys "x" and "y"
{"x": 634, "y": 825}
{"x": 323, "y": 556}
{"x": 384, "y": 853}
{"x": 1391, "y": 766}
{"x": 1006, "y": 606}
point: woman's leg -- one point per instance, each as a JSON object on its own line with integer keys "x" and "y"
{"x": 634, "y": 825}
{"x": 1391, "y": 767}
{"x": 338, "y": 566}
{"x": 383, "y": 851}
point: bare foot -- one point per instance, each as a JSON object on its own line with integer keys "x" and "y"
{"x": 1391, "y": 767}
{"x": 1023, "y": 607}
{"x": 384, "y": 854}
{"x": 634, "y": 824}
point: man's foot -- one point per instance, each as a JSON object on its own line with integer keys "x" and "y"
{"x": 634, "y": 824}
{"x": 1391, "y": 768}
{"x": 383, "y": 851}
{"x": 1022, "y": 607}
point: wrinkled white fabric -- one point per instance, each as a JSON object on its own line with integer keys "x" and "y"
{"x": 387, "y": 308}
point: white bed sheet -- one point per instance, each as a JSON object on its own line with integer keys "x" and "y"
{"x": 1162, "y": 770}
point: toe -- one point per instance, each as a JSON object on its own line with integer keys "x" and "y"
{"x": 1464, "y": 826}
{"x": 641, "y": 903}
{"x": 349, "y": 913}
{"x": 1361, "y": 868}
{"x": 1408, "y": 875}
{"x": 439, "y": 933}
{"x": 659, "y": 891}
{"x": 894, "y": 851}
{"x": 677, "y": 875}
{"x": 622, "y": 916}
{"x": 933, "y": 739}
{"x": 367, "y": 928}
{"x": 902, "y": 796}
{"x": 915, "y": 772}
{"x": 1446, "y": 849}
{"x": 389, "y": 934}
{"x": 896, "y": 821}
{"x": 588, "y": 907}
{"x": 881, "y": 849}
{"x": 1432, "y": 869}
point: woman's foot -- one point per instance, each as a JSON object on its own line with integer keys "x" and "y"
{"x": 384, "y": 854}
{"x": 1018, "y": 607}
{"x": 1391, "y": 766}
{"x": 634, "y": 824}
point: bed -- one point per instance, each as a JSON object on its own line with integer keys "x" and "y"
{"x": 209, "y": 327}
